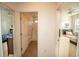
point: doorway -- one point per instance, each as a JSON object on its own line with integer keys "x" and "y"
{"x": 69, "y": 36}
{"x": 7, "y": 17}
{"x": 29, "y": 41}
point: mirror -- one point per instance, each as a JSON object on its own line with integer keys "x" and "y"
{"x": 7, "y": 31}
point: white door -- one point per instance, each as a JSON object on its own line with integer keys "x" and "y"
{"x": 64, "y": 46}
{"x": 26, "y": 28}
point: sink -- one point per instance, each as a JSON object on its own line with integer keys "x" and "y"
{"x": 72, "y": 38}
{"x": 6, "y": 36}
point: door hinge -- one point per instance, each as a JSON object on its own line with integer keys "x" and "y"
{"x": 21, "y": 49}
{"x": 20, "y": 33}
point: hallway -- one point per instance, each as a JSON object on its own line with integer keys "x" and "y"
{"x": 31, "y": 50}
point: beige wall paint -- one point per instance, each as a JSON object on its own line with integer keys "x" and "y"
{"x": 34, "y": 32}
{"x": 46, "y": 33}
{"x": 29, "y": 18}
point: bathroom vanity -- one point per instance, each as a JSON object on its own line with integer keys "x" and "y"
{"x": 68, "y": 46}
{"x": 72, "y": 45}
{"x": 8, "y": 40}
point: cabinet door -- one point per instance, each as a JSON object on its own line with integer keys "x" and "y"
{"x": 10, "y": 46}
{"x": 5, "y": 49}
{"x": 64, "y": 46}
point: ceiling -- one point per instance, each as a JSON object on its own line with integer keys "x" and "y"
{"x": 65, "y": 6}
{"x": 70, "y": 5}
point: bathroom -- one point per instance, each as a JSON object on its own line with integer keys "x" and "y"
{"x": 69, "y": 31}
{"x": 7, "y": 30}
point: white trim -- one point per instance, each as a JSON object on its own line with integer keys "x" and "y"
{"x": 77, "y": 52}
{"x": 1, "y": 48}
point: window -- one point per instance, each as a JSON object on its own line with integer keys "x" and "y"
{"x": 77, "y": 25}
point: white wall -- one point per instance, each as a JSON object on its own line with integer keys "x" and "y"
{"x": 6, "y": 20}
{"x": 66, "y": 19}
{"x": 46, "y": 34}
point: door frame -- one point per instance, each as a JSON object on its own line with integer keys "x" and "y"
{"x": 21, "y": 30}
{"x": 1, "y": 48}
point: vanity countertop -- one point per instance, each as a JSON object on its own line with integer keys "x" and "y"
{"x": 6, "y": 36}
{"x": 73, "y": 39}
